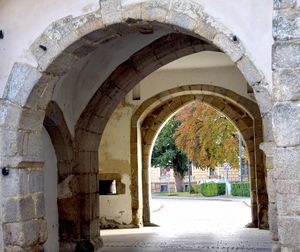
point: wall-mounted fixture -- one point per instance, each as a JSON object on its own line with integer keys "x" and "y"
{"x": 44, "y": 48}
{"x": 5, "y": 171}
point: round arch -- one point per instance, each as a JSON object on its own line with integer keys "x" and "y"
{"x": 61, "y": 46}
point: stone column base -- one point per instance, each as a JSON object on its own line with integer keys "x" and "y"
{"x": 93, "y": 245}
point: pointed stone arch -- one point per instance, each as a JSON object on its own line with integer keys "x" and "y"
{"x": 151, "y": 115}
{"x": 62, "y": 45}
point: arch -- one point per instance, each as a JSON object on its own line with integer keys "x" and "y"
{"x": 243, "y": 113}
{"x": 63, "y": 44}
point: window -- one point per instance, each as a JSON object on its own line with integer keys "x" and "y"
{"x": 107, "y": 187}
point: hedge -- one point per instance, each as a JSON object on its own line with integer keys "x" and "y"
{"x": 195, "y": 188}
{"x": 212, "y": 189}
{"x": 240, "y": 189}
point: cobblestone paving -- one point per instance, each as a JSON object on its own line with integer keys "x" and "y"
{"x": 207, "y": 226}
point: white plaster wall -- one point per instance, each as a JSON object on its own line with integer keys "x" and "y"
{"x": 114, "y": 157}
{"x": 23, "y": 21}
{"x": 251, "y": 22}
{"x": 50, "y": 184}
{"x": 227, "y": 77}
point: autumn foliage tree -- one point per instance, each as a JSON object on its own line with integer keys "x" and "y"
{"x": 197, "y": 133}
{"x": 206, "y": 136}
{"x": 165, "y": 153}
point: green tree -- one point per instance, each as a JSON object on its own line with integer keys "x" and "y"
{"x": 207, "y": 136}
{"x": 165, "y": 153}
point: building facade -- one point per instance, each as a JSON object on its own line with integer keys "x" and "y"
{"x": 162, "y": 179}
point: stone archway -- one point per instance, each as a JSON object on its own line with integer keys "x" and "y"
{"x": 66, "y": 41}
{"x": 245, "y": 115}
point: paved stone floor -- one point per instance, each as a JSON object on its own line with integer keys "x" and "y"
{"x": 192, "y": 225}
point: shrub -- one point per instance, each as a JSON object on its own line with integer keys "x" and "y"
{"x": 240, "y": 189}
{"x": 195, "y": 188}
{"x": 212, "y": 189}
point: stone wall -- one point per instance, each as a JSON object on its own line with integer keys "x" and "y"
{"x": 286, "y": 126}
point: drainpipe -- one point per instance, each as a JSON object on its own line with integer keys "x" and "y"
{"x": 189, "y": 173}
{"x": 241, "y": 157}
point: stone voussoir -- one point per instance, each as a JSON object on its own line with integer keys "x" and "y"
{"x": 21, "y": 81}
{"x": 229, "y": 44}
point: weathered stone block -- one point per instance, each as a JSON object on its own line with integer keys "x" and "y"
{"x": 251, "y": 74}
{"x": 36, "y": 181}
{"x": 289, "y": 232}
{"x": 42, "y": 92}
{"x": 181, "y": 20}
{"x": 286, "y": 126}
{"x": 61, "y": 64}
{"x": 286, "y": 85}
{"x": 32, "y": 120}
{"x": 87, "y": 162}
{"x": 286, "y": 55}
{"x": 155, "y": 10}
{"x": 111, "y": 11}
{"x": 273, "y": 220}
{"x": 131, "y": 11}
{"x": 90, "y": 207}
{"x": 87, "y": 23}
{"x": 16, "y": 183}
{"x": 87, "y": 141}
{"x": 207, "y": 27}
{"x": 17, "y": 249}
{"x": 88, "y": 183}
{"x": 22, "y": 233}
{"x": 285, "y": 163}
{"x": 226, "y": 43}
{"x": 191, "y": 9}
{"x": 282, "y": 4}
{"x": 10, "y": 210}
{"x": 267, "y": 126}
{"x": 39, "y": 201}
{"x": 9, "y": 114}
{"x": 290, "y": 186}
{"x": 288, "y": 203}
{"x": 286, "y": 24}
{"x": 263, "y": 98}
{"x": 18, "y": 209}
{"x": 22, "y": 79}
{"x": 56, "y": 38}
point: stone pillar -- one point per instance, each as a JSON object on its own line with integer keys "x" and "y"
{"x": 268, "y": 147}
{"x": 286, "y": 125}
{"x": 86, "y": 189}
{"x": 22, "y": 207}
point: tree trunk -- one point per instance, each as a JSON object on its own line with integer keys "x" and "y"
{"x": 179, "y": 181}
